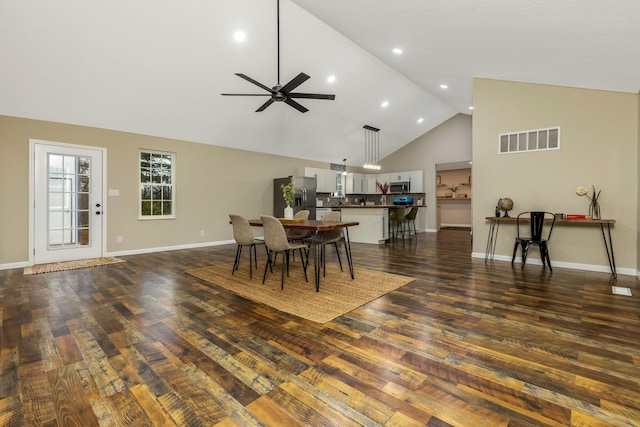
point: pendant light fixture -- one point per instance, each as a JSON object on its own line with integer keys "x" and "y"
{"x": 371, "y": 147}
{"x": 344, "y": 171}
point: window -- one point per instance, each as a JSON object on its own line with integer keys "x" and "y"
{"x": 529, "y": 140}
{"x": 157, "y": 179}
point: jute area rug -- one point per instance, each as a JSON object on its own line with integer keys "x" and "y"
{"x": 71, "y": 265}
{"x": 338, "y": 293}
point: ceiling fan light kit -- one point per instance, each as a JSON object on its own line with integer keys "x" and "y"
{"x": 371, "y": 147}
{"x": 280, "y": 93}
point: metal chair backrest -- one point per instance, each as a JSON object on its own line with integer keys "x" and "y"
{"x": 537, "y": 221}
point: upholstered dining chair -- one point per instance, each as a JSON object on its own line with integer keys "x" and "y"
{"x": 331, "y": 237}
{"x": 298, "y": 235}
{"x": 243, "y": 236}
{"x": 410, "y": 219}
{"x": 538, "y": 235}
{"x": 276, "y": 240}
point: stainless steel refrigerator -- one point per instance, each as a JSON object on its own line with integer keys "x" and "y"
{"x": 304, "y": 195}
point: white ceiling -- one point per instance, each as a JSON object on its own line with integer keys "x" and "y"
{"x": 158, "y": 67}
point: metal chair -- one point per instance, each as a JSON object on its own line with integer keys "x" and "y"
{"x": 396, "y": 222}
{"x": 410, "y": 219}
{"x": 276, "y": 241}
{"x": 243, "y": 236}
{"x": 332, "y": 237}
{"x": 537, "y": 235}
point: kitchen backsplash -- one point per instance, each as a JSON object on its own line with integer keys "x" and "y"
{"x": 327, "y": 200}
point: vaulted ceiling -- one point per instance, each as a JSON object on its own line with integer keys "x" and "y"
{"x": 158, "y": 67}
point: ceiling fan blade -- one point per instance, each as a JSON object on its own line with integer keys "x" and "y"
{"x": 249, "y": 79}
{"x": 245, "y": 94}
{"x": 311, "y": 96}
{"x": 265, "y": 105}
{"x": 295, "y": 82}
{"x": 295, "y": 105}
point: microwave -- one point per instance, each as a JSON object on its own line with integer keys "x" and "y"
{"x": 400, "y": 187}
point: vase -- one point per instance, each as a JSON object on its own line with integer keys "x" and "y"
{"x": 594, "y": 209}
{"x": 288, "y": 212}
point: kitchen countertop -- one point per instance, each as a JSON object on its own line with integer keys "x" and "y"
{"x": 371, "y": 206}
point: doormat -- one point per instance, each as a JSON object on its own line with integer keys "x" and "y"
{"x": 71, "y": 265}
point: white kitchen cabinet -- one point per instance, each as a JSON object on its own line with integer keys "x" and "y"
{"x": 325, "y": 178}
{"x": 369, "y": 183}
{"x": 355, "y": 183}
{"x": 374, "y": 224}
{"x": 399, "y": 177}
{"x": 416, "y": 181}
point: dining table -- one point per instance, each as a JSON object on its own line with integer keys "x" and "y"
{"x": 318, "y": 227}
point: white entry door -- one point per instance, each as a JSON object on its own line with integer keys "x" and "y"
{"x": 68, "y": 206}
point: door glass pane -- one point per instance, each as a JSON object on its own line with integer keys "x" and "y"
{"x": 69, "y": 181}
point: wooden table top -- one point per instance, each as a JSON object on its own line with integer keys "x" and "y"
{"x": 310, "y": 224}
{"x": 558, "y": 220}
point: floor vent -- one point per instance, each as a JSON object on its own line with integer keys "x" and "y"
{"x": 618, "y": 290}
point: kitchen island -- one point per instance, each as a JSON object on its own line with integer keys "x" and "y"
{"x": 373, "y": 219}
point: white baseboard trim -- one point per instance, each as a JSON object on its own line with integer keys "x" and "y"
{"x": 134, "y": 252}
{"x": 169, "y": 248}
{"x": 11, "y": 265}
{"x": 570, "y": 265}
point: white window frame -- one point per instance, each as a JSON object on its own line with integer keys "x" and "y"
{"x": 164, "y": 186}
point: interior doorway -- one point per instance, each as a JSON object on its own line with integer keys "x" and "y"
{"x": 67, "y": 198}
{"x": 454, "y": 194}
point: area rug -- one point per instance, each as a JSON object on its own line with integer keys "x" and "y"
{"x": 338, "y": 293}
{"x": 71, "y": 265}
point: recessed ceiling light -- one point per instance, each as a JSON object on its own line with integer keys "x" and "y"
{"x": 385, "y": 104}
{"x": 443, "y": 86}
{"x": 470, "y": 107}
{"x": 331, "y": 78}
{"x": 420, "y": 120}
{"x": 239, "y": 36}
{"x": 397, "y": 50}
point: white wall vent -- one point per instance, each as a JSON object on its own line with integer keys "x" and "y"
{"x": 529, "y": 140}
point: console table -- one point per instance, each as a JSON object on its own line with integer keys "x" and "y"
{"x": 605, "y": 227}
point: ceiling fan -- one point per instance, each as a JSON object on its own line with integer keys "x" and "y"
{"x": 280, "y": 93}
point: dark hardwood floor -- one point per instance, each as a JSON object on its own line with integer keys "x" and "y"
{"x": 468, "y": 343}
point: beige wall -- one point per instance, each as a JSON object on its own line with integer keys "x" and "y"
{"x": 599, "y": 140}
{"x": 447, "y": 143}
{"x": 211, "y": 183}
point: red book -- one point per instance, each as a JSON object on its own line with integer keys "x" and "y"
{"x": 575, "y": 216}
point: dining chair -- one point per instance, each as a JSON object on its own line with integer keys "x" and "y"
{"x": 537, "y": 235}
{"x": 330, "y": 237}
{"x": 243, "y": 236}
{"x": 396, "y": 221}
{"x": 410, "y": 219}
{"x": 275, "y": 238}
{"x": 298, "y": 235}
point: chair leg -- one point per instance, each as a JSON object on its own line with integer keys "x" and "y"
{"x": 515, "y": 250}
{"x": 237, "y": 260}
{"x": 282, "y": 267}
{"x": 544, "y": 256}
{"x": 304, "y": 265}
{"x": 525, "y": 251}
{"x": 269, "y": 264}
{"x": 338, "y": 253}
{"x": 250, "y": 265}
